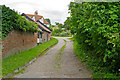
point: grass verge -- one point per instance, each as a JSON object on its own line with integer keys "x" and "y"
{"x": 97, "y": 71}
{"x": 15, "y": 61}
{"x": 71, "y": 38}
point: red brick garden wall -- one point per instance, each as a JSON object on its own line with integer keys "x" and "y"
{"x": 17, "y": 41}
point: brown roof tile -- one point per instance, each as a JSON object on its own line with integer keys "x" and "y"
{"x": 43, "y": 27}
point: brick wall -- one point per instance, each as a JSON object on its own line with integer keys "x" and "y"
{"x": 17, "y": 41}
{"x": 49, "y": 38}
{"x": 44, "y": 36}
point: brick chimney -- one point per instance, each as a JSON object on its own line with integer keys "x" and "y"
{"x": 36, "y": 12}
{"x": 36, "y": 15}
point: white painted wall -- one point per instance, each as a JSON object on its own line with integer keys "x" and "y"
{"x": 47, "y": 25}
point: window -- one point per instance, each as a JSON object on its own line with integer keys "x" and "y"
{"x": 40, "y": 35}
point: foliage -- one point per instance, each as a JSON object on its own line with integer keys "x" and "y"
{"x": 53, "y": 25}
{"x": 60, "y": 32}
{"x": 72, "y": 39}
{"x": 56, "y": 23}
{"x": 11, "y": 20}
{"x": 48, "y": 20}
{"x": 67, "y": 25}
{"x": 92, "y": 63}
{"x": 0, "y": 22}
{"x": 60, "y": 25}
{"x": 97, "y": 29}
{"x": 15, "y": 61}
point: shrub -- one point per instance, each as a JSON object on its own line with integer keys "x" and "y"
{"x": 60, "y": 32}
{"x": 11, "y": 20}
{"x": 98, "y": 31}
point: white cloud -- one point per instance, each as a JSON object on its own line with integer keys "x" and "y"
{"x": 56, "y": 10}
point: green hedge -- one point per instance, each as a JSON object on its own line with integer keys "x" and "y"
{"x": 12, "y": 20}
{"x": 97, "y": 28}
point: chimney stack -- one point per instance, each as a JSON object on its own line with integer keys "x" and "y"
{"x": 36, "y": 12}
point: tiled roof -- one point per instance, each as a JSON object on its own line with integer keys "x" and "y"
{"x": 46, "y": 29}
{"x": 43, "y": 24}
{"x": 31, "y": 15}
{"x": 38, "y": 17}
{"x": 23, "y": 14}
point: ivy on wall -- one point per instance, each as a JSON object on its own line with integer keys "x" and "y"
{"x": 0, "y": 22}
{"x": 12, "y": 20}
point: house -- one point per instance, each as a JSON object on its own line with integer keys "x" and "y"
{"x": 45, "y": 33}
{"x": 19, "y": 37}
{"x": 36, "y": 17}
{"x": 16, "y": 37}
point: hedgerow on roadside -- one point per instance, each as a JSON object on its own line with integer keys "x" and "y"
{"x": 97, "y": 29}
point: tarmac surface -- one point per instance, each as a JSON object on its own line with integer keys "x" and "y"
{"x": 58, "y": 62}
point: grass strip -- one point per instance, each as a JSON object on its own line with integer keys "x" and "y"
{"x": 72, "y": 39}
{"x": 15, "y": 61}
{"x": 60, "y": 54}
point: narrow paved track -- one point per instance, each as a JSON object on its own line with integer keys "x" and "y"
{"x": 57, "y": 64}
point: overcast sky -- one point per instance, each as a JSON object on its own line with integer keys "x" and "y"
{"x": 55, "y": 10}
